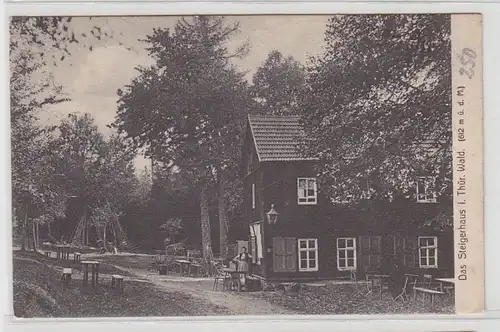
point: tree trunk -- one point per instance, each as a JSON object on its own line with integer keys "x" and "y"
{"x": 223, "y": 223}
{"x": 24, "y": 230}
{"x": 105, "y": 240}
{"x": 31, "y": 242}
{"x": 35, "y": 243}
{"x": 86, "y": 239}
{"x": 116, "y": 240}
{"x": 206, "y": 239}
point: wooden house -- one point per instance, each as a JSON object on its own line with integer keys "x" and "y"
{"x": 312, "y": 238}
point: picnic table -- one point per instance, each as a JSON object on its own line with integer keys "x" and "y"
{"x": 373, "y": 278}
{"x": 182, "y": 263}
{"x": 235, "y": 276}
{"x": 63, "y": 251}
{"x": 187, "y": 266}
{"x": 197, "y": 268}
{"x": 94, "y": 270}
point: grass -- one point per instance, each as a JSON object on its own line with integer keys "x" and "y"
{"x": 38, "y": 292}
{"x": 349, "y": 299}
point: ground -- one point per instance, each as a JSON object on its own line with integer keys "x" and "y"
{"x": 38, "y": 292}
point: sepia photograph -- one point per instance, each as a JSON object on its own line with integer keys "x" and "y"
{"x": 246, "y": 165}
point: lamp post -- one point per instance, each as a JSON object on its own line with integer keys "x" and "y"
{"x": 272, "y": 216}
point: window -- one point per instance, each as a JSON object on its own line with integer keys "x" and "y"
{"x": 346, "y": 253}
{"x": 427, "y": 252}
{"x": 253, "y": 196}
{"x": 306, "y": 191}
{"x": 426, "y": 189}
{"x": 308, "y": 254}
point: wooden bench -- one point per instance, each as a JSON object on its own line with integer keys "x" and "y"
{"x": 432, "y": 293}
{"x": 77, "y": 257}
{"x": 48, "y": 254}
{"x": 117, "y": 282}
{"x": 66, "y": 276}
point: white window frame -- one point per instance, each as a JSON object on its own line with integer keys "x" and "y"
{"x": 253, "y": 196}
{"x": 309, "y": 200}
{"x": 427, "y": 256}
{"x": 346, "y": 249}
{"x": 307, "y": 250}
{"x": 427, "y": 197}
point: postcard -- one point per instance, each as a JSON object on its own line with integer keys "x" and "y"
{"x": 247, "y": 165}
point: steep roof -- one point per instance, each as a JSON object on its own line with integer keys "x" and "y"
{"x": 276, "y": 137}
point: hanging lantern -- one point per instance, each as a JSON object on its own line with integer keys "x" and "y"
{"x": 272, "y": 216}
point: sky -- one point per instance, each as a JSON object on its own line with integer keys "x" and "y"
{"x": 91, "y": 78}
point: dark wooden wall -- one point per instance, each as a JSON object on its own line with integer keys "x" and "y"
{"x": 276, "y": 183}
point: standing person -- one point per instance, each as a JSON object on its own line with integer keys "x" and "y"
{"x": 243, "y": 263}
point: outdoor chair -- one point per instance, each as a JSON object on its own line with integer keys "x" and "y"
{"x": 220, "y": 276}
{"x": 408, "y": 285}
{"x": 404, "y": 291}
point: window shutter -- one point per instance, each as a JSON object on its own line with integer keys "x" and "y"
{"x": 291, "y": 254}
{"x": 410, "y": 251}
{"x": 364, "y": 252}
{"x": 375, "y": 251}
{"x": 399, "y": 245}
{"x": 370, "y": 252}
{"x": 284, "y": 254}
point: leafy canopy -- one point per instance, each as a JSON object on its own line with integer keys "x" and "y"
{"x": 378, "y": 107}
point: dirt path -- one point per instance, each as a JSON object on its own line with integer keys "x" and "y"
{"x": 201, "y": 288}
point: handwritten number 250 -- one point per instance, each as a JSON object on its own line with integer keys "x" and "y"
{"x": 468, "y": 60}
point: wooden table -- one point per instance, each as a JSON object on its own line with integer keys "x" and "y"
{"x": 182, "y": 263}
{"x": 95, "y": 273}
{"x": 380, "y": 278}
{"x": 198, "y": 267}
{"x": 235, "y": 276}
{"x": 63, "y": 251}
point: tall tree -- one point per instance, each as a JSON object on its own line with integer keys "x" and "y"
{"x": 97, "y": 171}
{"x": 34, "y": 193}
{"x": 187, "y": 110}
{"x": 378, "y": 108}
{"x": 35, "y": 42}
{"x": 278, "y": 84}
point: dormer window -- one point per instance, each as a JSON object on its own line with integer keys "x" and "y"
{"x": 426, "y": 189}
{"x": 307, "y": 192}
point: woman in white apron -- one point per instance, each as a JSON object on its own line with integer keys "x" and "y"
{"x": 243, "y": 262}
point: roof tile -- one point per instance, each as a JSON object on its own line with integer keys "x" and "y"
{"x": 276, "y": 137}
